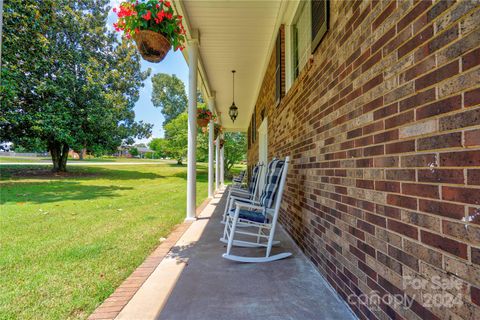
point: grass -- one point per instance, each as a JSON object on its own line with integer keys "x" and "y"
{"x": 102, "y": 159}
{"x": 68, "y": 241}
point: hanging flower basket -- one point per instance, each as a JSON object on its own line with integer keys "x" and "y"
{"x": 152, "y": 46}
{"x": 203, "y": 117}
{"x": 217, "y": 130}
{"x": 222, "y": 143}
{"x": 153, "y": 26}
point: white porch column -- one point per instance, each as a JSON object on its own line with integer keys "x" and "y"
{"x": 211, "y": 104}
{"x": 192, "y": 129}
{"x": 222, "y": 165}
{"x": 217, "y": 163}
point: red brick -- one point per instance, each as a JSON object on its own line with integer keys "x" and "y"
{"x": 420, "y": 68}
{"x": 398, "y": 120}
{"x": 415, "y": 42}
{"x": 386, "y": 136}
{"x": 451, "y": 246}
{"x": 413, "y": 14}
{"x": 372, "y": 83}
{"x": 437, "y": 75}
{"x": 472, "y": 98}
{"x": 372, "y": 105}
{"x": 471, "y": 59}
{"x": 464, "y": 195}
{"x": 402, "y": 201}
{"x": 418, "y": 99}
{"x": 472, "y": 138}
{"x": 364, "y": 184}
{"x": 373, "y": 127}
{"x": 475, "y": 295}
{"x": 420, "y": 190}
{"x": 444, "y": 209}
{"x": 387, "y": 186}
{"x": 377, "y": 220}
{"x": 460, "y": 159}
{"x": 371, "y": 61}
{"x": 374, "y": 151}
{"x": 403, "y": 228}
{"x": 439, "y": 107}
{"x": 384, "y": 15}
{"x": 400, "y": 147}
{"x": 475, "y": 254}
{"x": 473, "y": 177}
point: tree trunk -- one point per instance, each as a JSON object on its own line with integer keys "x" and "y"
{"x": 59, "y": 153}
{"x": 179, "y": 161}
{"x": 82, "y": 154}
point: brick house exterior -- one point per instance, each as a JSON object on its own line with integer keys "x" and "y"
{"x": 383, "y": 128}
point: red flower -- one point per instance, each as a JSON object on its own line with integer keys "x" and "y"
{"x": 137, "y": 30}
{"x": 167, "y": 4}
{"x": 147, "y": 16}
{"x": 169, "y": 16}
{"x": 115, "y": 10}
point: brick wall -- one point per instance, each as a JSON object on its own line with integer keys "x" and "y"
{"x": 383, "y": 128}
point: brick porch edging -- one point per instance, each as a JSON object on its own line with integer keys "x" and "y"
{"x": 111, "y": 307}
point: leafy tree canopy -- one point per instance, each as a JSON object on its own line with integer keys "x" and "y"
{"x": 169, "y": 94}
{"x": 66, "y": 81}
{"x": 235, "y": 149}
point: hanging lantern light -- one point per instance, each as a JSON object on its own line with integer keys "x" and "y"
{"x": 233, "y": 110}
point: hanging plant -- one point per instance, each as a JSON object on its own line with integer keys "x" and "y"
{"x": 153, "y": 25}
{"x": 222, "y": 143}
{"x": 217, "y": 130}
{"x": 204, "y": 116}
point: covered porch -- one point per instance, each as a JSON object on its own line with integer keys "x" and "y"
{"x": 192, "y": 281}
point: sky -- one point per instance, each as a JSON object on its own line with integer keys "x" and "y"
{"x": 174, "y": 63}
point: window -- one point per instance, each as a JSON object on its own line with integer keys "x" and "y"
{"x": 319, "y": 21}
{"x": 278, "y": 68}
{"x": 301, "y": 38}
{"x": 309, "y": 24}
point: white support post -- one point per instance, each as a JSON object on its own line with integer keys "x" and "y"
{"x": 192, "y": 130}
{"x": 217, "y": 163}
{"x": 211, "y": 103}
{"x": 222, "y": 166}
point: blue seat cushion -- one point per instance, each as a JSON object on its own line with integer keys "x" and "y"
{"x": 250, "y": 215}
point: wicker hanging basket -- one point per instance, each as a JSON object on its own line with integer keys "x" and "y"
{"x": 202, "y": 123}
{"x": 152, "y": 46}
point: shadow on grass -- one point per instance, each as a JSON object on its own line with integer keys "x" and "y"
{"x": 34, "y": 192}
{"x": 84, "y": 173}
{"x": 202, "y": 176}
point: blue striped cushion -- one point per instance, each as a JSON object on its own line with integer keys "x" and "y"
{"x": 253, "y": 182}
{"x": 251, "y": 215}
{"x": 274, "y": 173}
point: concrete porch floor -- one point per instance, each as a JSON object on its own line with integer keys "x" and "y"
{"x": 194, "y": 282}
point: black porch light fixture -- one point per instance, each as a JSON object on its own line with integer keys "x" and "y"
{"x": 233, "y": 110}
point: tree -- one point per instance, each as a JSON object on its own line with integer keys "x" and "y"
{"x": 235, "y": 149}
{"x": 169, "y": 94}
{"x": 176, "y": 134}
{"x": 134, "y": 151}
{"x": 160, "y": 146}
{"x": 66, "y": 81}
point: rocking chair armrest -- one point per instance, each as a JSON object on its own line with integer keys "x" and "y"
{"x": 239, "y": 191}
{"x": 244, "y": 205}
{"x": 234, "y": 201}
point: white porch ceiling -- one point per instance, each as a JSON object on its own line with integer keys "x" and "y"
{"x": 234, "y": 35}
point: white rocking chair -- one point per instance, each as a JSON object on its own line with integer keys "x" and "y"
{"x": 262, "y": 215}
{"x": 238, "y": 180}
{"x": 243, "y": 193}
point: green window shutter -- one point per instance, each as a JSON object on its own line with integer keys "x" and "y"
{"x": 320, "y": 10}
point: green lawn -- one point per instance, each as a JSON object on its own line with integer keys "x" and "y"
{"x": 67, "y": 242}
